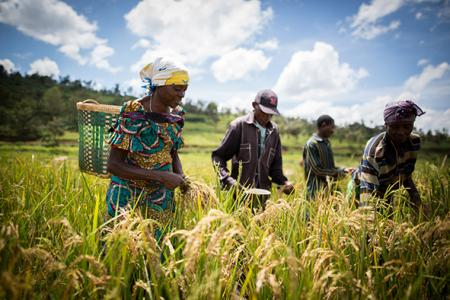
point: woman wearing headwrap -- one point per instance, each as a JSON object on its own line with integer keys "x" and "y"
{"x": 143, "y": 161}
{"x": 389, "y": 158}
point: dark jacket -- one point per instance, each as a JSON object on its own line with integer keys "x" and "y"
{"x": 241, "y": 145}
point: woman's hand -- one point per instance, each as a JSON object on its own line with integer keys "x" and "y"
{"x": 170, "y": 180}
{"x": 349, "y": 170}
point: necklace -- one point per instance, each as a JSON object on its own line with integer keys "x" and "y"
{"x": 150, "y": 105}
{"x": 149, "y": 108}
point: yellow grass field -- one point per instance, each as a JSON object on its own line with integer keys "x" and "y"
{"x": 56, "y": 242}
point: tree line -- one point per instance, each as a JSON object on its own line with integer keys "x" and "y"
{"x": 35, "y": 107}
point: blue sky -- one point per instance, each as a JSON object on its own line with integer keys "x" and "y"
{"x": 343, "y": 58}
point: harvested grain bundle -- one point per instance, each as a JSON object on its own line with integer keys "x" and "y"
{"x": 194, "y": 194}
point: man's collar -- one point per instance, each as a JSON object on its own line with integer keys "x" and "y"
{"x": 251, "y": 120}
{"x": 318, "y": 138}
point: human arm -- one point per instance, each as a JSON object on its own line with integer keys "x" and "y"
{"x": 176, "y": 163}
{"x": 226, "y": 150}
{"x": 349, "y": 170}
{"x": 368, "y": 178}
{"x": 127, "y": 136}
{"x": 414, "y": 195}
{"x": 117, "y": 166}
{"x": 276, "y": 171}
{"x": 407, "y": 169}
{"x": 313, "y": 157}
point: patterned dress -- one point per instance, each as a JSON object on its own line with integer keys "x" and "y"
{"x": 149, "y": 139}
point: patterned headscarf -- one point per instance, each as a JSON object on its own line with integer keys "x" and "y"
{"x": 162, "y": 72}
{"x": 401, "y": 111}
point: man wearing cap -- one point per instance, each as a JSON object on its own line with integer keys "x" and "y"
{"x": 318, "y": 158}
{"x": 253, "y": 141}
{"x": 390, "y": 157}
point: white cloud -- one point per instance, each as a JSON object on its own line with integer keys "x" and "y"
{"x": 238, "y": 64}
{"x": 416, "y": 84}
{"x": 142, "y": 43}
{"x": 99, "y": 55}
{"x": 370, "y": 13}
{"x": 433, "y": 120}
{"x": 238, "y": 100}
{"x": 371, "y": 110}
{"x": 197, "y": 30}
{"x": 422, "y": 62}
{"x": 98, "y": 85}
{"x": 135, "y": 85}
{"x": 56, "y": 23}
{"x": 365, "y": 22}
{"x": 73, "y": 51}
{"x": 371, "y": 31}
{"x": 44, "y": 67}
{"x": 317, "y": 73}
{"x": 271, "y": 44}
{"x": 8, "y": 65}
{"x": 444, "y": 12}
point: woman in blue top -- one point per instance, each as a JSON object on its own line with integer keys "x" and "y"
{"x": 144, "y": 161}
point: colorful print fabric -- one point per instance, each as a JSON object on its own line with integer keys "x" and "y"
{"x": 149, "y": 139}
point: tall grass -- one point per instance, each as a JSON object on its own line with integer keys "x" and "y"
{"x": 55, "y": 242}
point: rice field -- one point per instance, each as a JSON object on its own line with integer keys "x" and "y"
{"x": 56, "y": 242}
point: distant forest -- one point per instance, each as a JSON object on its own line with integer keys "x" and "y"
{"x": 34, "y": 107}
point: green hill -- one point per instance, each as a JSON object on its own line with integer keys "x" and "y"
{"x": 42, "y": 110}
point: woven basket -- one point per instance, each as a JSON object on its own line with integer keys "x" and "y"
{"x": 94, "y": 121}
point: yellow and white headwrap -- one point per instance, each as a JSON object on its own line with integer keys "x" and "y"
{"x": 163, "y": 72}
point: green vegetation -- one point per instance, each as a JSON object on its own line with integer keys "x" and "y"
{"x": 56, "y": 241}
{"x": 35, "y": 107}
